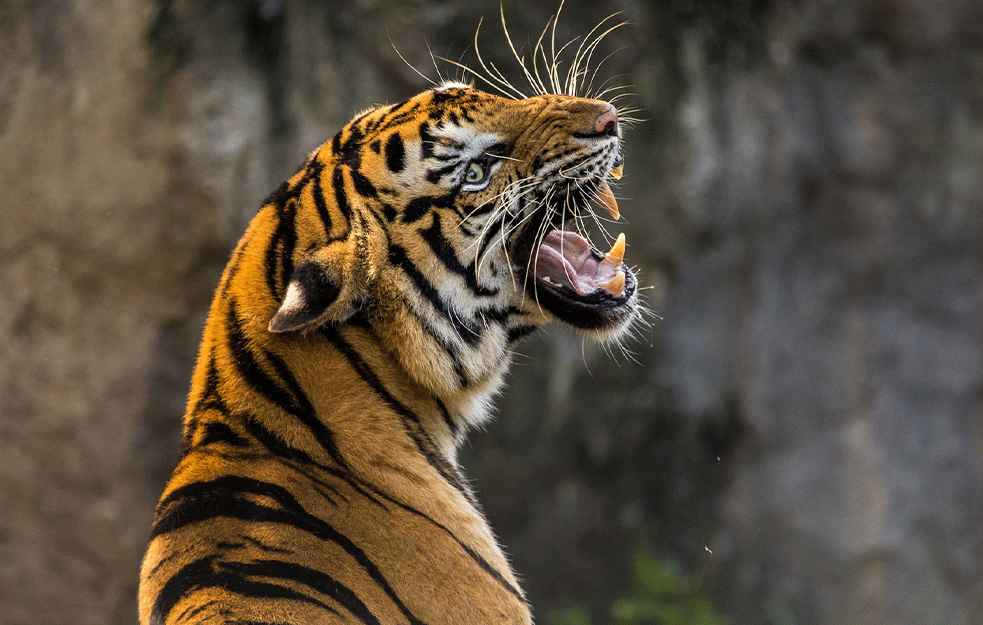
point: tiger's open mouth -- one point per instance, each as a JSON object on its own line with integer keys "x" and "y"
{"x": 577, "y": 283}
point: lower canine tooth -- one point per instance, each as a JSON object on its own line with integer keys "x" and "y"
{"x": 606, "y": 198}
{"x": 616, "y": 286}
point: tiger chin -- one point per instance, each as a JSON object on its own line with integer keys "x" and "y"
{"x": 361, "y": 327}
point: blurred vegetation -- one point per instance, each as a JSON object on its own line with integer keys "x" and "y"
{"x": 662, "y": 594}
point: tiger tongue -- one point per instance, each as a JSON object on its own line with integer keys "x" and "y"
{"x": 565, "y": 259}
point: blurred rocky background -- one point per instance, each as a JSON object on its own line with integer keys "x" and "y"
{"x": 800, "y": 429}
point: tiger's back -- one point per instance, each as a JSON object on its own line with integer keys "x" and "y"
{"x": 362, "y": 325}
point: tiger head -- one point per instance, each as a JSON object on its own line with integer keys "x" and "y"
{"x": 454, "y": 223}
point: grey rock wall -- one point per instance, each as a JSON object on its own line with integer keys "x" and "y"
{"x": 803, "y": 422}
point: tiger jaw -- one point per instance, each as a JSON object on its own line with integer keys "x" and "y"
{"x": 578, "y": 284}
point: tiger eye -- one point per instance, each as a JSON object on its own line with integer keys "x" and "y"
{"x": 475, "y": 173}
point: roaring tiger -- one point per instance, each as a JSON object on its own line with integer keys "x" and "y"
{"x": 362, "y": 326}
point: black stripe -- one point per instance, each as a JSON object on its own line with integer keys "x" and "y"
{"x": 309, "y": 415}
{"x": 388, "y": 212}
{"x": 448, "y": 419}
{"x": 206, "y": 573}
{"x": 434, "y": 175}
{"x": 211, "y": 400}
{"x": 351, "y": 150}
{"x": 229, "y": 497}
{"x": 491, "y": 233}
{"x": 284, "y": 193}
{"x": 312, "y": 578}
{"x": 418, "y": 206}
{"x": 427, "y": 141}
{"x": 411, "y": 421}
{"x": 218, "y": 432}
{"x": 439, "y": 97}
{"x": 340, "y": 196}
{"x": 248, "y": 367}
{"x": 468, "y": 334}
{"x": 288, "y": 242}
{"x": 434, "y": 236}
{"x": 466, "y": 228}
{"x": 284, "y": 238}
{"x": 278, "y": 448}
{"x": 317, "y": 190}
{"x": 396, "y": 115}
{"x": 516, "y": 333}
{"x": 293, "y": 456}
{"x": 395, "y": 153}
{"x": 170, "y": 557}
{"x": 278, "y": 261}
{"x": 363, "y": 186}
{"x": 292, "y": 401}
{"x": 501, "y": 316}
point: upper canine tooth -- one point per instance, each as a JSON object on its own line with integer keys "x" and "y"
{"x": 616, "y": 286}
{"x": 617, "y": 172}
{"x": 606, "y": 198}
{"x": 617, "y": 253}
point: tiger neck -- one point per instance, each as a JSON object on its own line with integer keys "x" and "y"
{"x": 346, "y": 378}
{"x": 459, "y": 357}
{"x": 461, "y": 381}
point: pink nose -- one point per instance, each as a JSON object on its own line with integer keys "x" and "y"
{"x": 607, "y": 122}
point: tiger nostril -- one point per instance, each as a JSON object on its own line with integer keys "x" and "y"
{"x": 607, "y": 122}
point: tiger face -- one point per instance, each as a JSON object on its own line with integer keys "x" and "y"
{"x": 472, "y": 218}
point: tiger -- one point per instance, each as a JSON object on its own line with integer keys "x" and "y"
{"x": 362, "y": 327}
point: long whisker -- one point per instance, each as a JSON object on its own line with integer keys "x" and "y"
{"x": 554, "y": 82}
{"x": 587, "y": 46}
{"x": 410, "y": 65}
{"x": 522, "y": 64}
{"x": 592, "y": 47}
{"x": 535, "y": 57}
{"x": 598, "y": 67}
{"x": 495, "y": 79}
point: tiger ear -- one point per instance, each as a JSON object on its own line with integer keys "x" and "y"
{"x": 316, "y": 295}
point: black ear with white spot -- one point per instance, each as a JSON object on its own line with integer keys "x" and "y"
{"x": 309, "y": 295}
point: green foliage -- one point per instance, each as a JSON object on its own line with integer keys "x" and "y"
{"x": 662, "y": 595}
{"x": 665, "y": 596}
